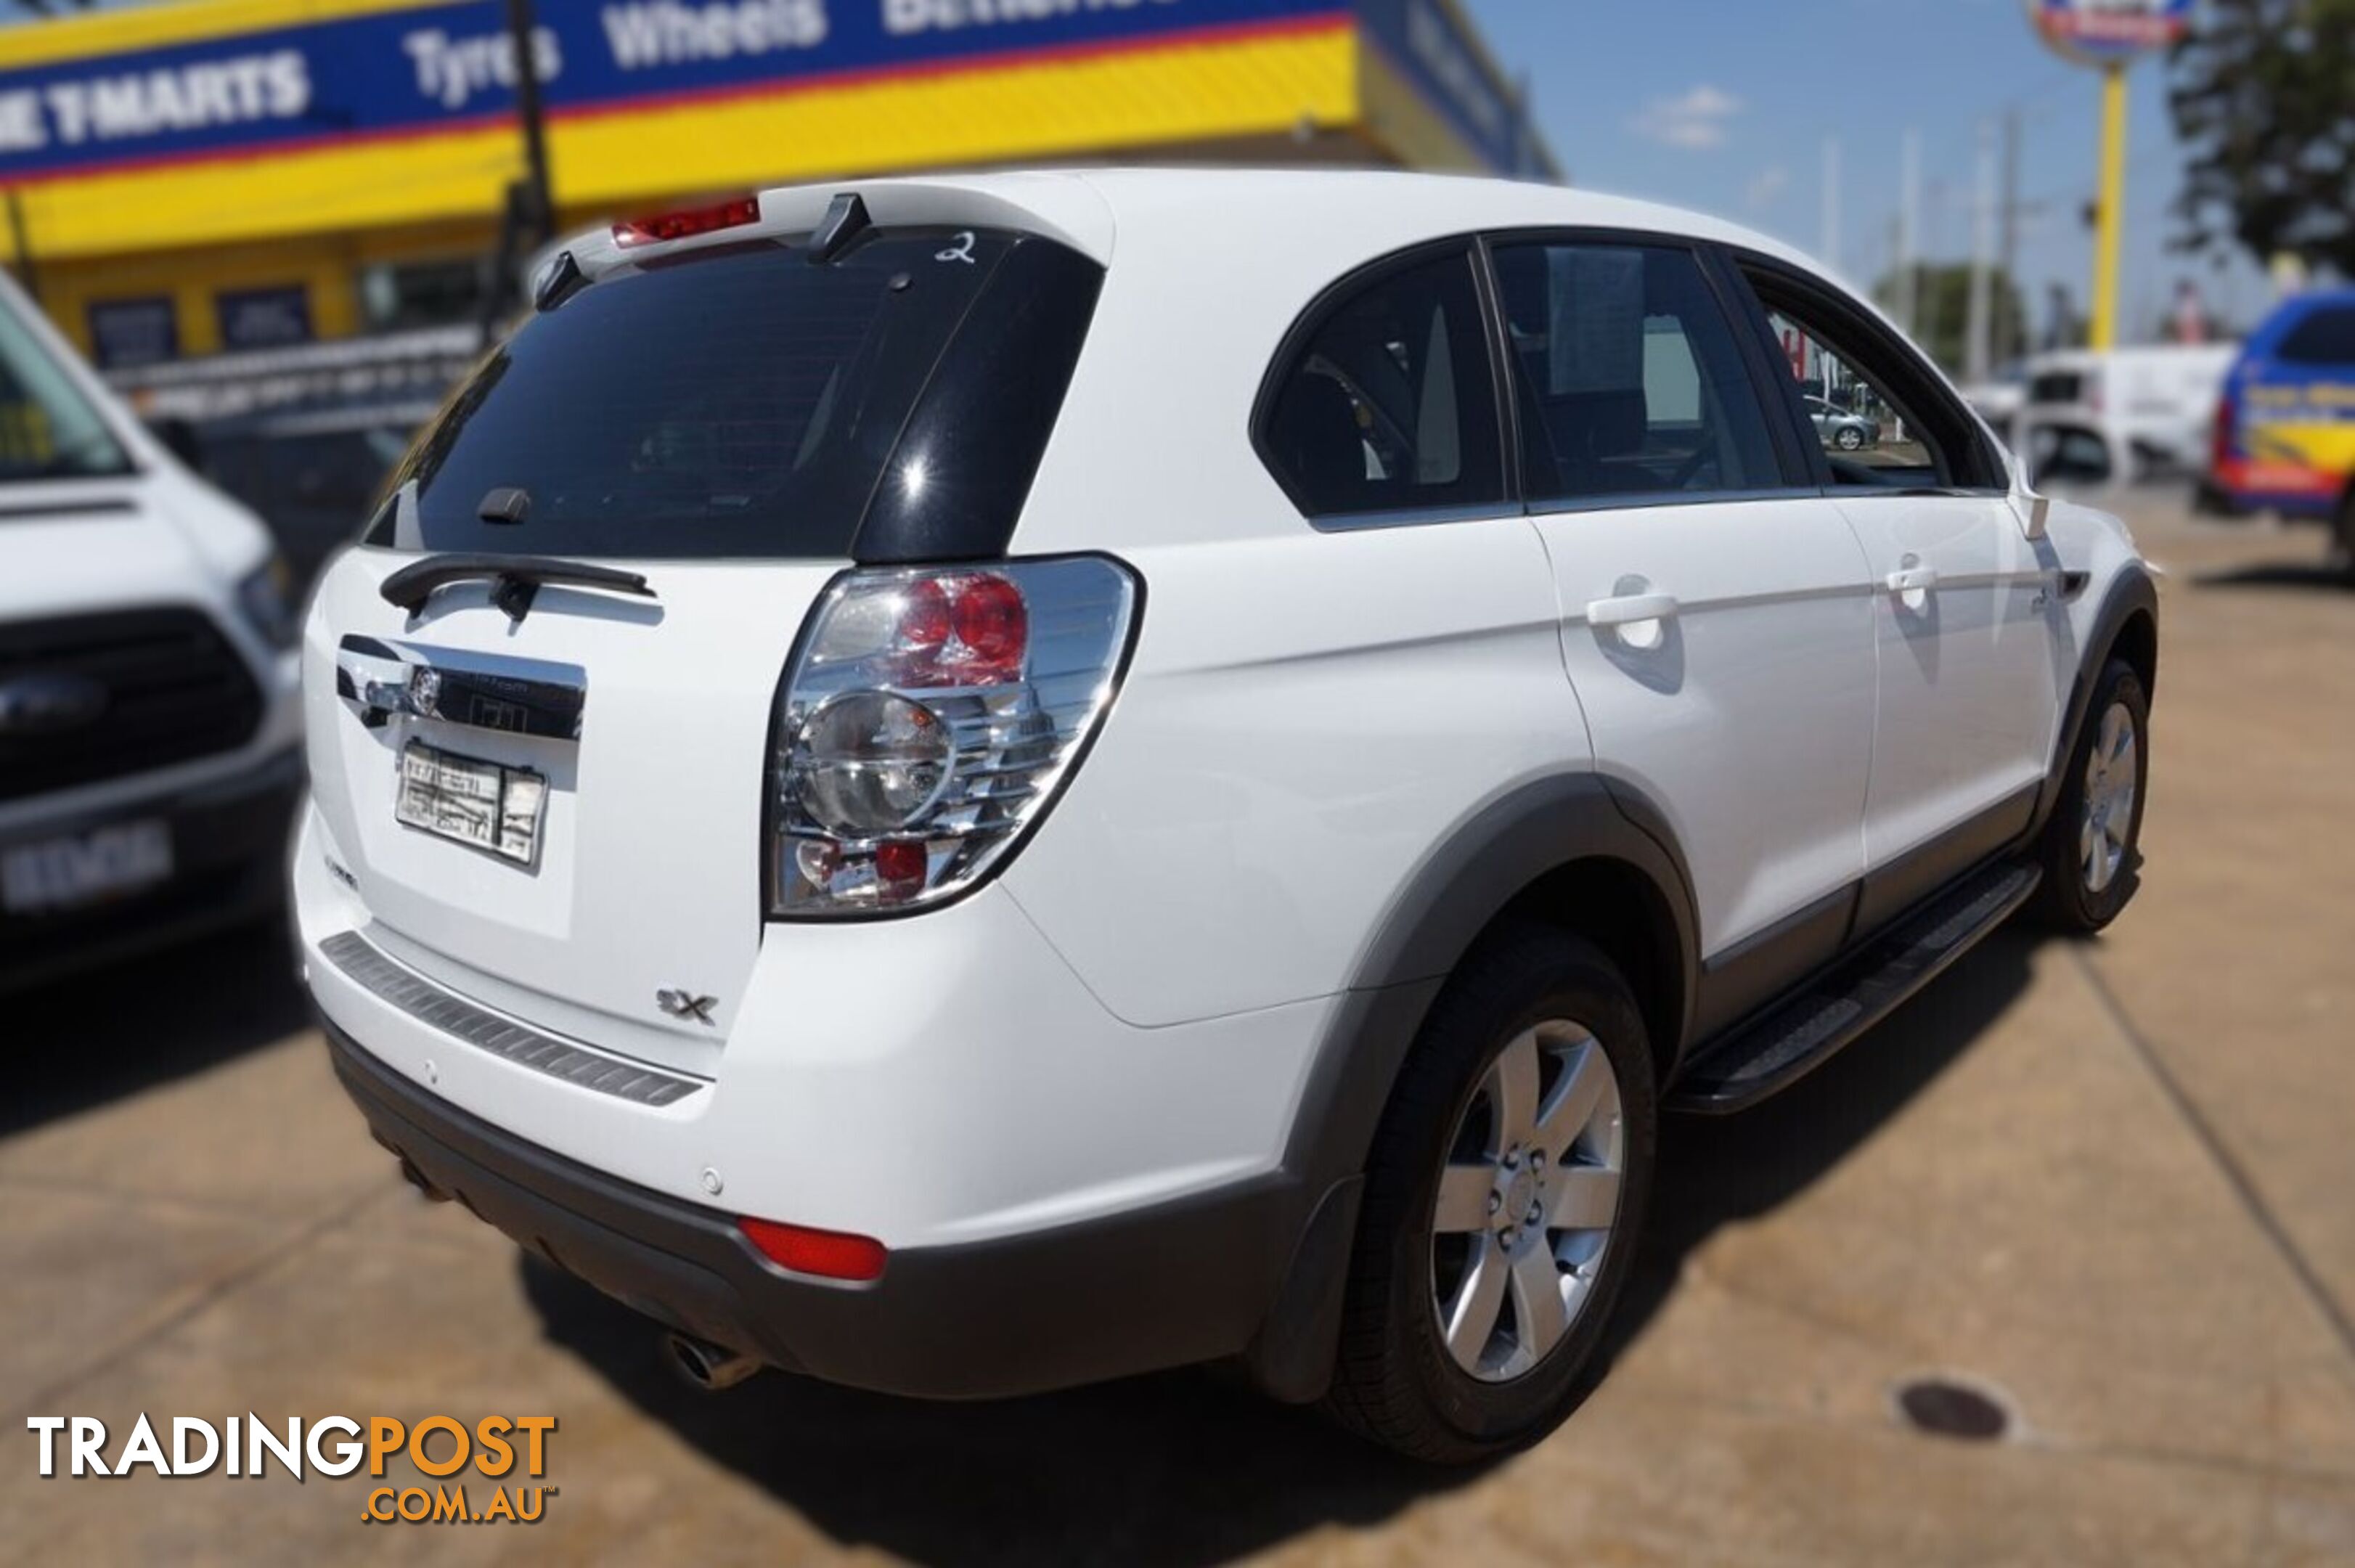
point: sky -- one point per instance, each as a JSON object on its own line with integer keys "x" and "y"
{"x": 1724, "y": 106}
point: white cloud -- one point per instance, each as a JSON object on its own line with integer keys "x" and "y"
{"x": 1694, "y": 120}
{"x": 1766, "y": 187}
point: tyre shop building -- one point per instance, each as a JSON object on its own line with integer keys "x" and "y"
{"x": 214, "y": 175}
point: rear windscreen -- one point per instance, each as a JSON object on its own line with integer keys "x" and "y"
{"x": 741, "y": 402}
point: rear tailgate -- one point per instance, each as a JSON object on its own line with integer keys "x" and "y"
{"x": 646, "y": 875}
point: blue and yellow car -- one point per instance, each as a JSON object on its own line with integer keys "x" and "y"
{"x": 2284, "y": 434}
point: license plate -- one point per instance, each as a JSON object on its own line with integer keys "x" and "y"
{"x": 85, "y": 868}
{"x": 483, "y": 806}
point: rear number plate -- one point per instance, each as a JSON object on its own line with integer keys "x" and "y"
{"x": 483, "y": 806}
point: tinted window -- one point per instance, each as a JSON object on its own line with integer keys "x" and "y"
{"x": 2055, "y": 387}
{"x": 741, "y": 401}
{"x": 1629, "y": 377}
{"x": 1391, "y": 402}
{"x": 2326, "y": 336}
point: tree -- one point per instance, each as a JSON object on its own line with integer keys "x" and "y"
{"x": 1942, "y": 311}
{"x": 2261, "y": 94}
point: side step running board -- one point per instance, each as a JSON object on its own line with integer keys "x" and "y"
{"x": 1794, "y": 1038}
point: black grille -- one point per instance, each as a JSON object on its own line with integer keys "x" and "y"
{"x": 176, "y": 691}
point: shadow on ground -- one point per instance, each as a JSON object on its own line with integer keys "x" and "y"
{"x": 2323, "y": 576}
{"x": 1190, "y": 1466}
{"x": 113, "y": 1033}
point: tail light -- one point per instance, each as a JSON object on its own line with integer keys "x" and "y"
{"x": 929, "y": 718}
{"x": 2222, "y": 438}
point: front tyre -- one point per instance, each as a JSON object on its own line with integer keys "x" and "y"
{"x": 1503, "y": 1196}
{"x": 2091, "y": 850}
{"x": 1849, "y": 438}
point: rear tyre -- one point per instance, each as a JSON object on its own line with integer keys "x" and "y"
{"x": 2092, "y": 849}
{"x": 1849, "y": 438}
{"x": 1505, "y": 1193}
{"x": 2342, "y": 533}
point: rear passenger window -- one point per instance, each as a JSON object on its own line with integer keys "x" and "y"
{"x": 1390, "y": 404}
{"x": 1630, "y": 380}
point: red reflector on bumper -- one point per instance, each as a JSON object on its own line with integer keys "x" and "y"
{"x": 830, "y": 1255}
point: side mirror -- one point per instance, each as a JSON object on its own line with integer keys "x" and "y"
{"x": 180, "y": 438}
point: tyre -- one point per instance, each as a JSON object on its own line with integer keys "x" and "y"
{"x": 1503, "y": 1196}
{"x": 2091, "y": 853}
{"x": 1848, "y": 438}
{"x": 2342, "y": 533}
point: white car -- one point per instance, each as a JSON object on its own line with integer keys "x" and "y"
{"x": 967, "y": 785}
{"x": 149, "y": 757}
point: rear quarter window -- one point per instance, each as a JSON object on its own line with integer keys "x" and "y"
{"x": 1385, "y": 400}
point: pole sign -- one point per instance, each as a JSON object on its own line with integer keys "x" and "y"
{"x": 2109, "y": 32}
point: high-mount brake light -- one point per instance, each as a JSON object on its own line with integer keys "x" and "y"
{"x": 686, "y": 223}
{"x": 929, "y": 719}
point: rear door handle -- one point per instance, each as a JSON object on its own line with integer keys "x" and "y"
{"x": 1639, "y": 620}
{"x": 1913, "y": 583}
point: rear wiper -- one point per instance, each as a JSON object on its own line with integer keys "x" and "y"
{"x": 516, "y": 580}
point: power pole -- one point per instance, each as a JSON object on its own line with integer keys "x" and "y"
{"x": 1976, "y": 336}
{"x": 1828, "y": 251}
{"x": 539, "y": 216}
{"x": 2009, "y": 249}
{"x": 21, "y": 242}
{"x": 1909, "y": 198}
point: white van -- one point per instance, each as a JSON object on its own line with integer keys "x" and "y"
{"x": 148, "y": 727}
{"x": 2120, "y": 415}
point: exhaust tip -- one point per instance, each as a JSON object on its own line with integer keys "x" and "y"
{"x": 707, "y": 1366}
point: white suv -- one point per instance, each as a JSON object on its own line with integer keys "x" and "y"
{"x": 968, "y": 785}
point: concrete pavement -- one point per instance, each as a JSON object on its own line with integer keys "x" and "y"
{"x": 2113, "y": 1182}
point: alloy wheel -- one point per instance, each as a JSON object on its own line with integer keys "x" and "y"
{"x": 1527, "y": 1201}
{"x": 2112, "y": 775}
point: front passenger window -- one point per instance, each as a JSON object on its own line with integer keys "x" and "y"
{"x": 1390, "y": 405}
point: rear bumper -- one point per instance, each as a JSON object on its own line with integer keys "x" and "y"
{"x": 2241, "y": 489}
{"x": 229, "y": 847}
{"x": 1176, "y": 1283}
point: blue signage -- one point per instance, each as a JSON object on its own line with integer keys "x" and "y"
{"x": 1426, "y": 41}
{"x": 439, "y": 67}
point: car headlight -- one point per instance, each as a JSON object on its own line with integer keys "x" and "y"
{"x": 266, "y": 599}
